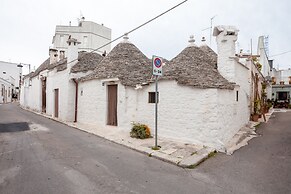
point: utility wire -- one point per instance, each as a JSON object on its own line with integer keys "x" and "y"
{"x": 131, "y": 30}
{"x": 280, "y": 54}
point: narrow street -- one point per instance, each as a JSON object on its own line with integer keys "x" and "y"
{"x": 39, "y": 155}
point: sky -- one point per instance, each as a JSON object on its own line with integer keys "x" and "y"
{"x": 28, "y": 26}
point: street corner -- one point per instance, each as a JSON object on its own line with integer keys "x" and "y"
{"x": 197, "y": 158}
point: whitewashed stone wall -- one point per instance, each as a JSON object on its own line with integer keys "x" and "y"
{"x": 34, "y": 96}
{"x": 24, "y": 95}
{"x": 60, "y": 80}
{"x": 202, "y": 116}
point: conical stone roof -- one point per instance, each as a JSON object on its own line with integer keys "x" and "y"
{"x": 125, "y": 62}
{"x": 194, "y": 67}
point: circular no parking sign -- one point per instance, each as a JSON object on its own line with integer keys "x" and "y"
{"x": 158, "y": 62}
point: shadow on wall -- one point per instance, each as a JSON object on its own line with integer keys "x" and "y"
{"x": 13, "y": 127}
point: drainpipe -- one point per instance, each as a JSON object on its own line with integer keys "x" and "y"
{"x": 76, "y": 100}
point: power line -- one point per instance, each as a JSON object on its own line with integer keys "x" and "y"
{"x": 280, "y": 54}
{"x": 134, "y": 29}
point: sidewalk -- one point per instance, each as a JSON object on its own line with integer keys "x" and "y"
{"x": 245, "y": 134}
{"x": 181, "y": 154}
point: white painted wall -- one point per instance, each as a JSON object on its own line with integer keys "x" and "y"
{"x": 92, "y": 103}
{"x": 58, "y": 80}
{"x": 24, "y": 95}
{"x": 202, "y": 116}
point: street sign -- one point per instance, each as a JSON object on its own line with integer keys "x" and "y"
{"x": 157, "y": 66}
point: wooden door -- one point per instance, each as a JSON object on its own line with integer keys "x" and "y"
{"x": 57, "y": 103}
{"x": 112, "y": 105}
{"x": 44, "y": 95}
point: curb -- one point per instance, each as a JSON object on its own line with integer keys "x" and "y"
{"x": 189, "y": 162}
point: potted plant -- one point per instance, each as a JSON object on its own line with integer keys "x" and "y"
{"x": 256, "y": 114}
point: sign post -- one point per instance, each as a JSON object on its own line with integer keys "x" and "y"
{"x": 157, "y": 71}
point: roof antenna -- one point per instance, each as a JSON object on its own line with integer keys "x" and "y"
{"x": 211, "y": 26}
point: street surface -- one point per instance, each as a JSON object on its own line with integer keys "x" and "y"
{"x": 39, "y": 155}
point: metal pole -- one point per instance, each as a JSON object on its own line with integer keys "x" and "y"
{"x": 156, "y": 114}
{"x": 210, "y": 31}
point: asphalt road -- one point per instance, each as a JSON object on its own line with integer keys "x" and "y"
{"x": 38, "y": 155}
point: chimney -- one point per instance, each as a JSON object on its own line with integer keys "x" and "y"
{"x": 62, "y": 55}
{"x": 72, "y": 55}
{"x": 226, "y": 36}
{"x": 53, "y": 55}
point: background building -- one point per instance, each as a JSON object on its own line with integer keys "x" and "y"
{"x": 90, "y": 35}
{"x": 281, "y": 87}
{"x": 10, "y": 74}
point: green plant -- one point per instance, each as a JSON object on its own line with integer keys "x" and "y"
{"x": 257, "y": 107}
{"x": 269, "y": 104}
{"x": 264, "y": 86}
{"x": 259, "y": 66}
{"x": 140, "y": 131}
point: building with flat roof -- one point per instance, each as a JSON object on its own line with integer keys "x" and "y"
{"x": 10, "y": 74}
{"x": 281, "y": 87}
{"x": 90, "y": 35}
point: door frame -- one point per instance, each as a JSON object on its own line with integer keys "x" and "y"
{"x": 43, "y": 94}
{"x": 108, "y": 108}
{"x": 56, "y": 102}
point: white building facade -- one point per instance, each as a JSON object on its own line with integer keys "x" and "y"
{"x": 10, "y": 74}
{"x": 281, "y": 87}
{"x": 90, "y": 35}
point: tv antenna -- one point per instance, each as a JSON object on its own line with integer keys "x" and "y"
{"x": 210, "y": 28}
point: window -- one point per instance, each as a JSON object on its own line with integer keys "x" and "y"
{"x": 237, "y": 96}
{"x": 152, "y": 97}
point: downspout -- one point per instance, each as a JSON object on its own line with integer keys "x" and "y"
{"x": 76, "y": 99}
